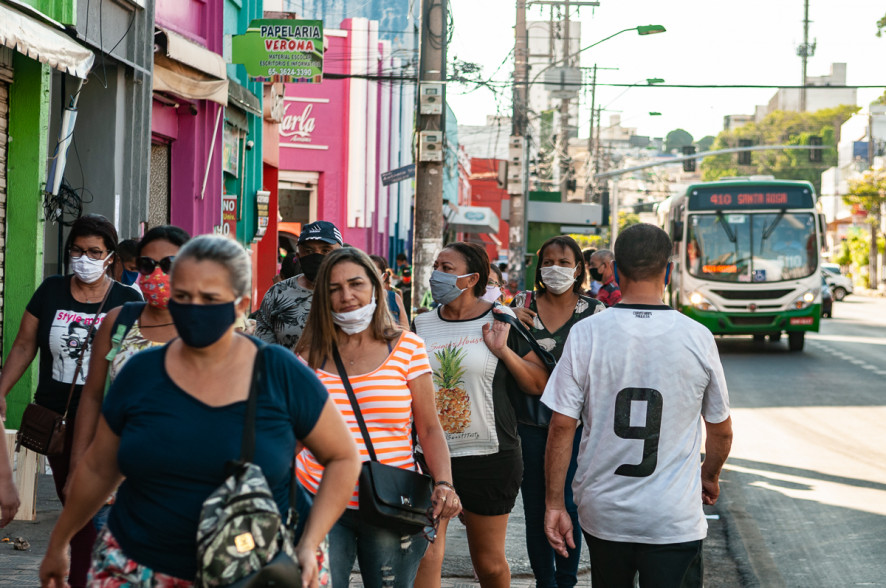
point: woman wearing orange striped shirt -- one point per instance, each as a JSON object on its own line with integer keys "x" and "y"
{"x": 390, "y": 374}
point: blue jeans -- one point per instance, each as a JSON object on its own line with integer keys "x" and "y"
{"x": 387, "y": 559}
{"x": 550, "y": 570}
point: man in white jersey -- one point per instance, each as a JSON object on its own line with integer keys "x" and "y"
{"x": 642, "y": 378}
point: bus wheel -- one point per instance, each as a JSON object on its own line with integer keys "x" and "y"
{"x": 796, "y": 340}
{"x": 775, "y": 337}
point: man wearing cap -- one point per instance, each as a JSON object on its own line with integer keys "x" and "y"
{"x": 284, "y": 309}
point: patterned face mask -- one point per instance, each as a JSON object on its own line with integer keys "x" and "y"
{"x": 155, "y": 288}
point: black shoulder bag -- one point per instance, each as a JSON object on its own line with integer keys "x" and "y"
{"x": 390, "y": 497}
{"x": 528, "y": 407}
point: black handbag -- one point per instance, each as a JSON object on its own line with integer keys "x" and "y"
{"x": 390, "y": 497}
{"x": 42, "y": 429}
{"x": 528, "y": 407}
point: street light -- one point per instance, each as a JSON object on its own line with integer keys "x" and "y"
{"x": 641, "y": 30}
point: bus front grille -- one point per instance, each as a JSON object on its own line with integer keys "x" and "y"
{"x": 751, "y": 294}
{"x": 750, "y": 320}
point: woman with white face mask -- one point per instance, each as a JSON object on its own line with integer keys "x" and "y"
{"x": 549, "y": 312}
{"x": 389, "y": 372}
{"x": 58, "y": 321}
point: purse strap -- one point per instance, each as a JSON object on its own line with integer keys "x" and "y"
{"x": 543, "y": 354}
{"x": 354, "y": 404}
{"x": 247, "y": 445}
{"x": 86, "y": 346}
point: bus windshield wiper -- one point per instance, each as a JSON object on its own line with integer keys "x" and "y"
{"x": 726, "y": 228}
{"x": 771, "y": 228}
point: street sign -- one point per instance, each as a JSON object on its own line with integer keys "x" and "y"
{"x": 398, "y": 175}
{"x": 281, "y": 50}
{"x": 262, "y": 201}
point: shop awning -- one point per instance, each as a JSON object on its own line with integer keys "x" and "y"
{"x": 242, "y": 98}
{"x": 44, "y": 43}
{"x": 472, "y": 219}
{"x": 189, "y": 70}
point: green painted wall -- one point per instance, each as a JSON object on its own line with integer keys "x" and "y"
{"x": 25, "y": 176}
{"x": 64, "y": 11}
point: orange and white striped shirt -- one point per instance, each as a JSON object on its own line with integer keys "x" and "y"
{"x": 386, "y": 404}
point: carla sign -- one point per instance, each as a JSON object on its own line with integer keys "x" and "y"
{"x": 281, "y": 50}
{"x": 299, "y": 123}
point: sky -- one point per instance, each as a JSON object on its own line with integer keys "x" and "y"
{"x": 707, "y": 42}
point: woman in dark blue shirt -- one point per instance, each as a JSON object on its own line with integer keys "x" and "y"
{"x": 174, "y": 417}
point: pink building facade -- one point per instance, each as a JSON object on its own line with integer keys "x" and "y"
{"x": 339, "y": 136}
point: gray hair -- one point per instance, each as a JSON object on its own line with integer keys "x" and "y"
{"x": 224, "y": 251}
{"x": 604, "y": 255}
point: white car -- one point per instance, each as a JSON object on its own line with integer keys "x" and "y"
{"x": 840, "y": 284}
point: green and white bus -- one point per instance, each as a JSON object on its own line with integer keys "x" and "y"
{"x": 746, "y": 254}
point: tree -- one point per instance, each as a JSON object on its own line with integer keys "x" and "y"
{"x": 676, "y": 139}
{"x": 626, "y": 219}
{"x": 881, "y": 26}
{"x": 704, "y": 144}
{"x": 781, "y": 128}
{"x": 868, "y": 194}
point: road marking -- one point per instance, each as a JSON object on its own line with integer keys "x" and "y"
{"x": 846, "y": 357}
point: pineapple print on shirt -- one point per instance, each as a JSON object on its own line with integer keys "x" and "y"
{"x": 453, "y": 402}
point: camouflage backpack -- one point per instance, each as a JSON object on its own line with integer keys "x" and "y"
{"x": 241, "y": 530}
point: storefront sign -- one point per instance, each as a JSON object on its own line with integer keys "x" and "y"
{"x": 262, "y": 201}
{"x": 281, "y": 50}
{"x": 231, "y": 150}
{"x": 300, "y": 122}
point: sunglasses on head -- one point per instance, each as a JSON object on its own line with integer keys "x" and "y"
{"x": 146, "y": 265}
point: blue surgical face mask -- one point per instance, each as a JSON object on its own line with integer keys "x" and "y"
{"x": 128, "y": 278}
{"x": 201, "y": 325}
{"x": 443, "y": 287}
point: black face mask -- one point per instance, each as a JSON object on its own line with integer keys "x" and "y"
{"x": 310, "y": 265}
{"x": 595, "y": 274}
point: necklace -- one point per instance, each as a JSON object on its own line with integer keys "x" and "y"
{"x": 154, "y": 326}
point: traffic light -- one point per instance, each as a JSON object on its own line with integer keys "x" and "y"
{"x": 744, "y": 157}
{"x": 689, "y": 164}
{"x": 815, "y": 155}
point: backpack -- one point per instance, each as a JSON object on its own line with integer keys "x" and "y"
{"x": 241, "y": 531}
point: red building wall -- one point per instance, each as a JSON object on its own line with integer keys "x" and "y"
{"x": 485, "y": 192}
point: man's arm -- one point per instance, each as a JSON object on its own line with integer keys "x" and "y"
{"x": 717, "y": 446}
{"x": 264, "y": 324}
{"x": 558, "y": 452}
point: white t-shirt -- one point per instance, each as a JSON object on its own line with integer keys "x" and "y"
{"x": 640, "y": 378}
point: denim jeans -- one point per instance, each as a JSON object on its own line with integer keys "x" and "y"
{"x": 387, "y": 559}
{"x": 550, "y": 570}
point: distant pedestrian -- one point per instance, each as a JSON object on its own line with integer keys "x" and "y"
{"x": 60, "y": 321}
{"x": 593, "y": 285}
{"x": 550, "y": 312}
{"x": 478, "y": 362}
{"x": 125, "y": 271}
{"x": 404, "y": 282}
{"x": 389, "y": 373}
{"x": 494, "y": 285}
{"x": 393, "y": 300}
{"x": 285, "y": 307}
{"x": 642, "y": 378}
{"x": 174, "y": 418}
{"x": 602, "y": 270}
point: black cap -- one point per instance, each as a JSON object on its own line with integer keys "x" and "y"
{"x": 320, "y": 231}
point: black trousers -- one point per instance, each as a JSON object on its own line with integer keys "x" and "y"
{"x": 673, "y": 565}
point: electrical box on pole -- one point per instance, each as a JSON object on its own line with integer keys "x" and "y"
{"x": 430, "y": 97}
{"x": 515, "y": 165}
{"x": 689, "y": 164}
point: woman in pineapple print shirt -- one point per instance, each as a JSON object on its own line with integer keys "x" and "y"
{"x": 476, "y": 361}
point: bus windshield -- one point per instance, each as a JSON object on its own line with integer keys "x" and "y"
{"x": 752, "y": 246}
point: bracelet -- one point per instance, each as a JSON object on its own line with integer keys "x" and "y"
{"x": 444, "y": 483}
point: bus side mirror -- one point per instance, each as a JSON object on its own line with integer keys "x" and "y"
{"x": 823, "y": 229}
{"x": 677, "y": 231}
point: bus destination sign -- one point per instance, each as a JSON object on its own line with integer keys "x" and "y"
{"x": 750, "y": 198}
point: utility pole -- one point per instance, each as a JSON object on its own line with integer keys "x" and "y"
{"x": 805, "y": 51}
{"x": 428, "y": 214}
{"x": 564, "y": 110}
{"x": 589, "y": 188}
{"x": 518, "y": 191}
{"x": 873, "y": 256}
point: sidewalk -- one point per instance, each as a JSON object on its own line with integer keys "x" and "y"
{"x": 19, "y": 568}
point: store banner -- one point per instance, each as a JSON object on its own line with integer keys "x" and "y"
{"x": 281, "y": 51}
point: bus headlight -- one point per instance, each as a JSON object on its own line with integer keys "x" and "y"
{"x": 805, "y": 299}
{"x": 700, "y": 302}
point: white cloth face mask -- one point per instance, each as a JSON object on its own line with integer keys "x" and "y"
{"x": 558, "y": 279}
{"x": 355, "y": 321}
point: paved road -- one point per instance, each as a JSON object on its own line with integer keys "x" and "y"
{"x": 805, "y": 486}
